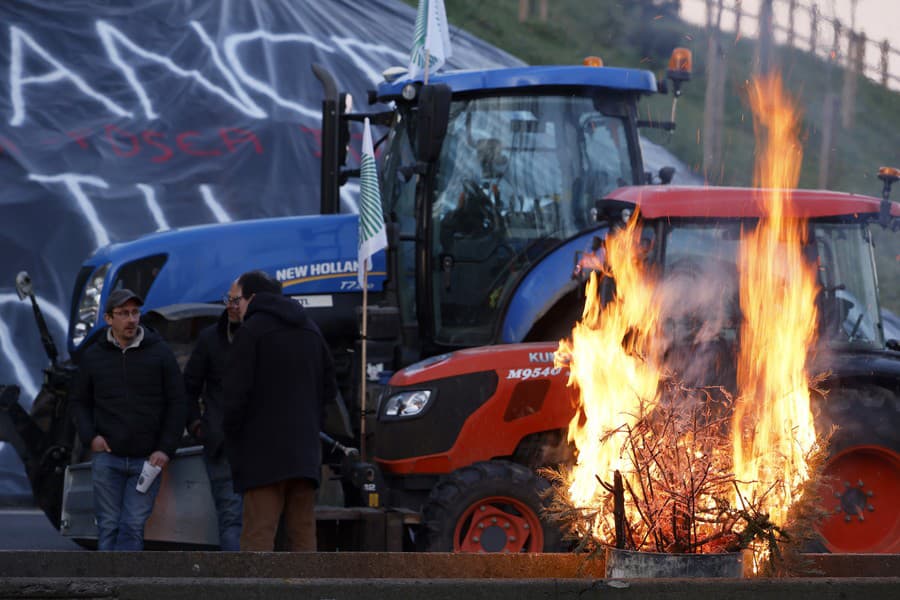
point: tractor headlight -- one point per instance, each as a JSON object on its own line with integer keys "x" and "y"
{"x": 407, "y": 404}
{"x": 409, "y": 92}
{"x": 89, "y": 307}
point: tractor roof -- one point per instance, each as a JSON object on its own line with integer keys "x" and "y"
{"x": 517, "y": 78}
{"x": 658, "y": 201}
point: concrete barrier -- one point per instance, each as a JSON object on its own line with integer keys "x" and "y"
{"x": 448, "y": 589}
{"x": 398, "y": 565}
{"x": 314, "y": 565}
{"x": 373, "y": 576}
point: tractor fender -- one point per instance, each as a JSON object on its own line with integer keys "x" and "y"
{"x": 550, "y": 280}
{"x": 859, "y": 364}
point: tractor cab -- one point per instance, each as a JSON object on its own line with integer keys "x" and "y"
{"x": 694, "y": 234}
{"x": 486, "y": 173}
{"x": 515, "y": 177}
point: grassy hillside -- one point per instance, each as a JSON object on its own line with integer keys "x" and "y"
{"x": 615, "y": 30}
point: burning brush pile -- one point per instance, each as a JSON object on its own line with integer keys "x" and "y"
{"x": 670, "y": 462}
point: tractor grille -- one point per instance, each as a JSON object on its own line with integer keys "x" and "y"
{"x": 438, "y": 427}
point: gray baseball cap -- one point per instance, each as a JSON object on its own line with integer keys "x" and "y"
{"x": 119, "y": 297}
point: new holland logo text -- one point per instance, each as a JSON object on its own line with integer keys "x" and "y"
{"x": 334, "y": 267}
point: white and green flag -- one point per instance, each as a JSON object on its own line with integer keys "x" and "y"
{"x": 431, "y": 38}
{"x": 372, "y": 235}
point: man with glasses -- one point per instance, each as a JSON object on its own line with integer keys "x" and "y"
{"x": 128, "y": 405}
{"x": 203, "y": 376}
{"x": 279, "y": 376}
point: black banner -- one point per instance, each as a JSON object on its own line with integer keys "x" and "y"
{"x": 121, "y": 119}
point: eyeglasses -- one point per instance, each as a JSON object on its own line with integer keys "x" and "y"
{"x": 134, "y": 313}
{"x": 231, "y": 300}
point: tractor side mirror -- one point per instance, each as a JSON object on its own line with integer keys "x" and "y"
{"x": 24, "y": 287}
{"x": 345, "y": 106}
{"x": 666, "y": 174}
{"x": 433, "y": 117}
{"x": 331, "y": 139}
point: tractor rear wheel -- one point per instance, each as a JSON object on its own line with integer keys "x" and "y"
{"x": 492, "y": 506}
{"x": 862, "y": 474}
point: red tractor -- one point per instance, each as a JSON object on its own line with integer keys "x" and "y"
{"x": 459, "y": 436}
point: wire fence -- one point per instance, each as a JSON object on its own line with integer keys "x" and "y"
{"x": 802, "y": 25}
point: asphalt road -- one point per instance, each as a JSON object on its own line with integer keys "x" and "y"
{"x": 29, "y": 529}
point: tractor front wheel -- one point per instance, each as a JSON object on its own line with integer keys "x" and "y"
{"x": 492, "y": 506}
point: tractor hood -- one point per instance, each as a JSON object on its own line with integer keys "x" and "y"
{"x": 315, "y": 258}
{"x": 449, "y": 411}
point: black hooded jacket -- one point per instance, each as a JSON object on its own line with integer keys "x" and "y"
{"x": 133, "y": 398}
{"x": 279, "y": 374}
{"x": 203, "y": 375}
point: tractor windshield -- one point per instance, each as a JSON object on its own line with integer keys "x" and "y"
{"x": 516, "y": 176}
{"x": 847, "y": 302}
{"x": 849, "y": 293}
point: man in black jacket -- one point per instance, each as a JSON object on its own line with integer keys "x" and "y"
{"x": 279, "y": 375}
{"x": 128, "y": 405}
{"x": 203, "y": 376}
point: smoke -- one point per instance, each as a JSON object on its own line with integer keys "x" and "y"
{"x": 700, "y": 316}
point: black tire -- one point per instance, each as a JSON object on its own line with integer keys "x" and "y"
{"x": 865, "y": 414}
{"x": 862, "y": 472}
{"x": 491, "y": 506}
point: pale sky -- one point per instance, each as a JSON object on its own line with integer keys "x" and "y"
{"x": 878, "y": 19}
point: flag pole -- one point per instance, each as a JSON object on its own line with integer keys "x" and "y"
{"x": 372, "y": 238}
{"x": 362, "y": 374}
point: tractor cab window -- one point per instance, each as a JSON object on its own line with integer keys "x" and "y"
{"x": 704, "y": 258}
{"x": 848, "y": 300}
{"x": 399, "y": 185}
{"x": 517, "y": 175}
{"x": 700, "y": 283}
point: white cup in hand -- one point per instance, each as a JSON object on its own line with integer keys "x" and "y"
{"x": 148, "y": 474}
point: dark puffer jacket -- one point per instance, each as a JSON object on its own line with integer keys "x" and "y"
{"x": 134, "y": 399}
{"x": 279, "y": 374}
{"x": 203, "y": 375}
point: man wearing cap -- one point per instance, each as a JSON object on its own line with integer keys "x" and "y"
{"x": 128, "y": 404}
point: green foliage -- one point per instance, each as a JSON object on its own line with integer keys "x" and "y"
{"x": 633, "y": 33}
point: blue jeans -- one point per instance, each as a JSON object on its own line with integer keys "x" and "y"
{"x": 121, "y": 510}
{"x": 229, "y": 505}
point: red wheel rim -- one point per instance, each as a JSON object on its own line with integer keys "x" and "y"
{"x": 498, "y": 524}
{"x": 862, "y": 496}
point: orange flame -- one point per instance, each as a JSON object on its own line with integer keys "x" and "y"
{"x": 773, "y": 426}
{"x": 606, "y": 357}
{"x": 617, "y": 360}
